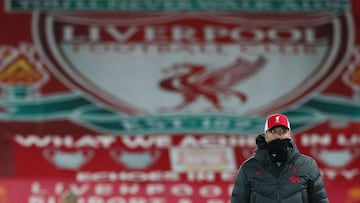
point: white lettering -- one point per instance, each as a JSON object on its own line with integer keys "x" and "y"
{"x": 103, "y": 189}
{"x": 94, "y": 33}
{"x": 37, "y": 189}
{"x": 69, "y": 35}
{"x": 352, "y": 140}
{"x": 155, "y": 33}
{"x": 184, "y": 200}
{"x": 331, "y": 174}
{"x": 41, "y": 199}
{"x": 134, "y": 176}
{"x": 36, "y": 199}
{"x": 126, "y": 189}
{"x": 95, "y": 199}
{"x": 33, "y": 140}
{"x": 103, "y": 141}
{"x": 189, "y": 141}
{"x": 212, "y": 33}
{"x": 249, "y": 34}
{"x": 210, "y": 191}
{"x": 79, "y": 189}
{"x": 155, "y": 189}
{"x": 132, "y": 193}
{"x": 348, "y": 174}
{"x": 146, "y": 142}
{"x": 182, "y": 190}
{"x": 217, "y": 141}
{"x": 183, "y": 33}
{"x": 121, "y": 36}
{"x": 201, "y": 176}
{"x": 215, "y": 201}
{"x": 59, "y": 188}
{"x": 315, "y": 139}
{"x": 286, "y": 34}
{"x": 228, "y": 176}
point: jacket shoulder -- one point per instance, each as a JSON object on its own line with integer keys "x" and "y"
{"x": 249, "y": 163}
{"x": 305, "y": 159}
{"x": 308, "y": 163}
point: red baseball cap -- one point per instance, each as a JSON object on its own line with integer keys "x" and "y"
{"x": 276, "y": 120}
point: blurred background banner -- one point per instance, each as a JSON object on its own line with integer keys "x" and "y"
{"x": 161, "y": 100}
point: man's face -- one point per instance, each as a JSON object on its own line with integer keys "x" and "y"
{"x": 277, "y": 132}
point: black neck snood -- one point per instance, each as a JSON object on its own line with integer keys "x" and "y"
{"x": 278, "y": 149}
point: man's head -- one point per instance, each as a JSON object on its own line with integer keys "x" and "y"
{"x": 277, "y": 126}
{"x": 278, "y": 136}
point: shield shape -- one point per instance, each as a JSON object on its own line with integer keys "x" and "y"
{"x": 195, "y": 62}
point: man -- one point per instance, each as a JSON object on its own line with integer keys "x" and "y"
{"x": 278, "y": 172}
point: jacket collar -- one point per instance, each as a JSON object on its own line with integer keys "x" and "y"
{"x": 263, "y": 156}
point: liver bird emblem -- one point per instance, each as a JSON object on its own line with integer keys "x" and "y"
{"x": 194, "y": 80}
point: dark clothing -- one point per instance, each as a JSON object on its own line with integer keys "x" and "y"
{"x": 261, "y": 180}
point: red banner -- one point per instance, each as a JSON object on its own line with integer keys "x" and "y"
{"x": 51, "y": 191}
{"x": 165, "y": 106}
{"x": 191, "y": 160}
{"x": 203, "y": 191}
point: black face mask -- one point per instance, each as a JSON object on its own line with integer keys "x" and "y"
{"x": 278, "y": 149}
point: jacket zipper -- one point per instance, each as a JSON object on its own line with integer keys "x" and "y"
{"x": 278, "y": 189}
